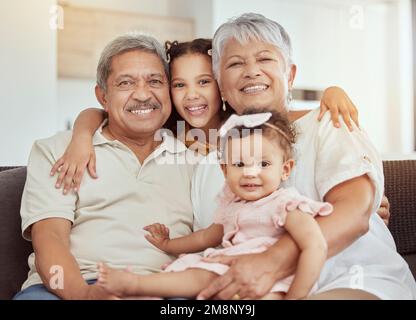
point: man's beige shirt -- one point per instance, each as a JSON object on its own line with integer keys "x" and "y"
{"x": 108, "y": 214}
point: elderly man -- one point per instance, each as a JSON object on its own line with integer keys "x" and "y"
{"x": 104, "y": 220}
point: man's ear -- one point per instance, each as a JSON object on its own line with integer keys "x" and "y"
{"x": 292, "y": 75}
{"x": 287, "y": 168}
{"x": 101, "y": 97}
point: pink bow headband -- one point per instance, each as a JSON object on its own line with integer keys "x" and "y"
{"x": 249, "y": 121}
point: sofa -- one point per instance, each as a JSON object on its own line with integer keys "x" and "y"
{"x": 400, "y": 188}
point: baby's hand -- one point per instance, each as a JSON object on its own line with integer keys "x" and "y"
{"x": 158, "y": 235}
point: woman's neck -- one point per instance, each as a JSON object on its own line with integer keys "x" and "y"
{"x": 295, "y": 115}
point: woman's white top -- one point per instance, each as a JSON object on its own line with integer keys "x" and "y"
{"x": 325, "y": 157}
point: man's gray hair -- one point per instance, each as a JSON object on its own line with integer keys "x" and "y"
{"x": 250, "y": 26}
{"x": 128, "y": 42}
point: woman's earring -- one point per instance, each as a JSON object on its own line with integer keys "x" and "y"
{"x": 289, "y": 97}
{"x": 224, "y": 106}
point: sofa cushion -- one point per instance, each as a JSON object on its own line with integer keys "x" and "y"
{"x": 400, "y": 189}
{"x": 14, "y": 250}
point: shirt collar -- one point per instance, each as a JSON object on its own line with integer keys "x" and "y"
{"x": 169, "y": 143}
{"x": 98, "y": 137}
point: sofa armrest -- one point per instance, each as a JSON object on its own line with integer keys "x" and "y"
{"x": 14, "y": 249}
{"x": 400, "y": 189}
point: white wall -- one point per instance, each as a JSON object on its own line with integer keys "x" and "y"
{"x": 200, "y": 10}
{"x": 371, "y": 63}
{"x": 159, "y": 7}
{"x": 73, "y": 96}
{"x": 27, "y": 78}
{"x": 400, "y": 111}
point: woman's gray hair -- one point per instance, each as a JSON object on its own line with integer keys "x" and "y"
{"x": 247, "y": 27}
{"x": 128, "y": 42}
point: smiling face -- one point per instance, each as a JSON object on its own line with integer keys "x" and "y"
{"x": 137, "y": 99}
{"x": 194, "y": 90}
{"x": 255, "y": 166}
{"x": 254, "y": 74}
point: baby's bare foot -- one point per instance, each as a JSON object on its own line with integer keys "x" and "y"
{"x": 115, "y": 281}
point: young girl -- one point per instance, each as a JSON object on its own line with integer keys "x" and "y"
{"x": 195, "y": 93}
{"x": 197, "y": 100}
{"x": 253, "y": 212}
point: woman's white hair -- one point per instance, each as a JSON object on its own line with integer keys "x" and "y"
{"x": 128, "y": 42}
{"x": 250, "y": 26}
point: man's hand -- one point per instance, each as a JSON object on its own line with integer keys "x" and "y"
{"x": 158, "y": 236}
{"x": 250, "y": 276}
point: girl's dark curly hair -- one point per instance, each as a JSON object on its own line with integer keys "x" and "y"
{"x": 177, "y": 49}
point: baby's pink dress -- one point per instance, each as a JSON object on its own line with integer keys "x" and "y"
{"x": 251, "y": 227}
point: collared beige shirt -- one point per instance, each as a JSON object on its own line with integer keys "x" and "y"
{"x": 108, "y": 214}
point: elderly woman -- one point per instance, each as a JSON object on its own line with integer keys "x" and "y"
{"x": 253, "y": 65}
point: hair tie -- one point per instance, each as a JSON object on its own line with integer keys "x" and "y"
{"x": 250, "y": 121}
{"x": 168, "y": 47}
